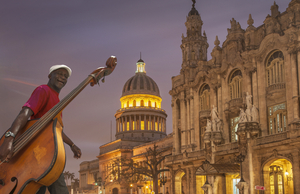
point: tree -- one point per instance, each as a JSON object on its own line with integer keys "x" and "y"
{"x": 72, "y": 176}
{"x": 67, "y": 176}
{"x": 127, "y": 170}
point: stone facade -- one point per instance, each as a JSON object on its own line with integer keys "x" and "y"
{"x": 140, "y": 123}
{"x": 235, "y": 117}
{"x": 252, "y": 83}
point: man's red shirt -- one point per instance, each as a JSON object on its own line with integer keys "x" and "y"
{"x": 42, "y": 99}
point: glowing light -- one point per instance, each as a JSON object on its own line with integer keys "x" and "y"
{"x": 140, "y": 100}
{"x": 286, "y": 173}
{"x": 142, "y": 125}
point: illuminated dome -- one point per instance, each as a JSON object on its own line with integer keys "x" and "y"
{"x": 140, "y": 117}
{"x": 140, "y": 83}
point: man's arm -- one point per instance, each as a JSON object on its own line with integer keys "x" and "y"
{"x": 74, "y": 148}
{"x": 6, "y": 149}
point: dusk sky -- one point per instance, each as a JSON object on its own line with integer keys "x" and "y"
{"x": 82, "y": 34}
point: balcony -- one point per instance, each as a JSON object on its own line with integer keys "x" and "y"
{"x": 204, "y": 114}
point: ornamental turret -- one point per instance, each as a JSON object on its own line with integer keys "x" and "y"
{"x": 194, "y": 45}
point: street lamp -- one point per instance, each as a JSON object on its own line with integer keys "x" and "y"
{"x": 163, "y": 180}
{"x": 240, "y": 159}
{"x": 288, "y": 178}
{"x": 131, "y": 188}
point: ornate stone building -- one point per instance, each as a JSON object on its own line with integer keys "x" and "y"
{"x": 239, "y": 110}
{"x": 140, "y": 122}
{"x": 235, "y": 117}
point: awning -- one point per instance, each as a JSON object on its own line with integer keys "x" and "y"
{"x": 216, "y": 169}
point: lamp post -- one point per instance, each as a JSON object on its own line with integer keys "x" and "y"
{"x": 131, "y": 188}
{"x": 240, "y": 158}
{"x": 103, "y": 187}
{"x": 163, "y": 180}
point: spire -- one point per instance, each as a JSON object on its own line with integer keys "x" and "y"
{"x": 193, "y": 10}
{"x": 274, "y": 10}
{"x": 140, "y": 65}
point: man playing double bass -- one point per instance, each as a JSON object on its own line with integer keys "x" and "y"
{"x": 41, "y": 101}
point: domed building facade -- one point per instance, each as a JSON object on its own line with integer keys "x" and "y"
{"x": 140, "y": 122}
{"x": 140, "y": 116}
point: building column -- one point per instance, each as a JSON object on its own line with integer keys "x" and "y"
{"x": 126, "y": 124}
{"x": 183, "y": 122}
{"x": 196, "y": 120}
{"x": 135, "y": 127}
{"x": 122, "y": 125}
{"x": 187, "y": 180}
{"x": 130, "y": 124}
{"x": 155, "y": 123}
{"x": 140, "y": 121}
{"x": 294, "y": 83}
{"x": 192, "y": 119}
{"x": 117, "y": 124}
{"x": 188, "y": 122}
{"x": 193, "y": 180}
{"x": 296, "y": 172}
{"x": 175, "y": 127}
{"x": 150, "y": 121}
{"x": 164, "y": 125}
{"x": 255, "y": 93}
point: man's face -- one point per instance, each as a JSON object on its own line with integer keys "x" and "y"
{"x": 58, "y": 79}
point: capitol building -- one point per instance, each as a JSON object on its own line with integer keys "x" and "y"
{"x": 235, "y": 117}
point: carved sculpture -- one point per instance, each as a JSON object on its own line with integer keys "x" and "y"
{"x": 208, "y": 126}
{"x": 243, "y": 116}
{"x": 251, "y": 113}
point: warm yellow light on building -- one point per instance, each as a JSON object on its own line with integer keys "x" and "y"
{"x": 142, "y": 125}
{"x": 139, "y": 100}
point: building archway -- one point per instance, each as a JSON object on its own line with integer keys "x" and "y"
{"x": 278, "y": 176}
{"x": 200, "y": 181}
{"x": 115, "y": 191}
{"x": 179, "y": 182}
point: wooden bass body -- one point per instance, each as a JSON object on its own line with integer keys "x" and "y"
{"x": 39, "y": 163}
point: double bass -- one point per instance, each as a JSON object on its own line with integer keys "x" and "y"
{"x": 38, "y": 149}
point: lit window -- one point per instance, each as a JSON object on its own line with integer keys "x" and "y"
{"x": 234, "y": 124}
{"x": 142, "y": 125}
{"x": 277, "y": 118}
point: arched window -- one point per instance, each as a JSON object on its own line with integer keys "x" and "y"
{"x": 127, "y": 104}
{"x": 205, "y": 97}
{"x": 235, "y": 85}
{"x": 134, "y": 103}
{"x": 275, "y": 69}
{"x": 142, "y": 102}
{"x": 149, "y": 103}
{"x": 277, "y": 118}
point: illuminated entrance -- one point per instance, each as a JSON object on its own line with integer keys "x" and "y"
{"x": 179, "y": 182}
{"x": 278, "y": 177}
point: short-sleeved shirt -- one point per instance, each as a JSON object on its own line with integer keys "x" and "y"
{"x": 42, "y": 99}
